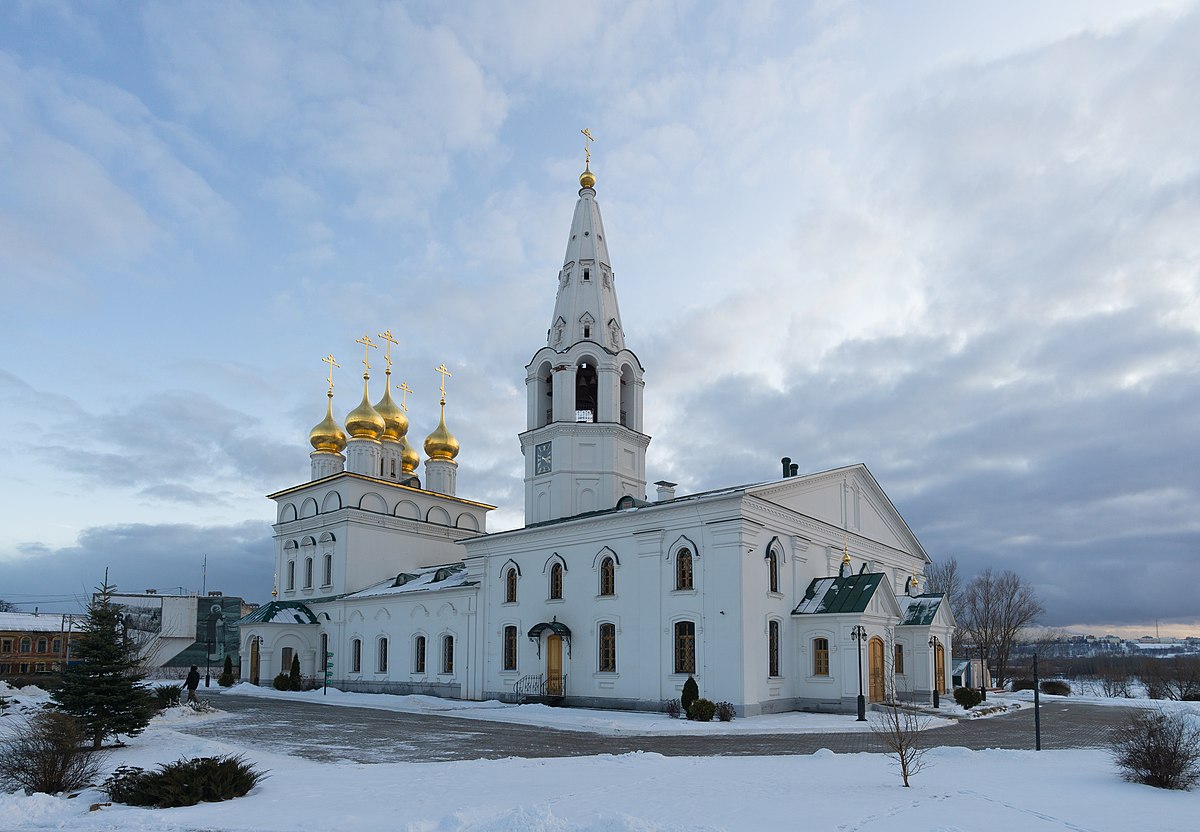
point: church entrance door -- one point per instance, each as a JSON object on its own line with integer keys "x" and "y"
{"x": 554, "y": 677}
{"x": 939, "y": 667}
{"x": 875, "y": 652}
{"x": 254, "y": 666}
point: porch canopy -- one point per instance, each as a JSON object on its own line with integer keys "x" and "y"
{"x": 556, "y": 628}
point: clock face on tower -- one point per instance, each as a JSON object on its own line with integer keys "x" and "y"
{"x": 541, "y": 458}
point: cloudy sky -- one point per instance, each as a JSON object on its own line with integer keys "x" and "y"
{"x": 956, "y": 242}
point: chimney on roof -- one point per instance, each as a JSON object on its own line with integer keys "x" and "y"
{"x": 787, "y": 466}
{"x": 151, "y": 591}
{"x": 795, "y": 470}
{"x": 666, "y": 490}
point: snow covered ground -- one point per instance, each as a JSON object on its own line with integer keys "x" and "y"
{"x": 981, "y": 791}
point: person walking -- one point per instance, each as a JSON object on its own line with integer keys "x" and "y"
{"x": 193, "y": 682}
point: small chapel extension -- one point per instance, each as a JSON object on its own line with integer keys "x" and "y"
{"x": 765, "y": 593}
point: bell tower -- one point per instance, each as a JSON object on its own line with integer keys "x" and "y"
{"x": 583, "y": 445}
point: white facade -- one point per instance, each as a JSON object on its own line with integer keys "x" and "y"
{"x": 604, "y": 598}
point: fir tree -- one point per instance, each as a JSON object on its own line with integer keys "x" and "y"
{"x": 226, "y": 678}
{"x": 102, "y": 687}
{"x": 295, "y": 675}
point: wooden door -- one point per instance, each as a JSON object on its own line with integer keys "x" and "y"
{"x": 939, "y": 667}
{"x": 875, "y": 663}
{"x": 554, "y": 685}
{"x": 254, "y": 661}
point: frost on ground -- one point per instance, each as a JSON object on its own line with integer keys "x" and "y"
{"x": 985, "y": 791}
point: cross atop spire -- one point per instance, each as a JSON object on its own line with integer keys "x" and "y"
{"x": 587, "y": 149}
{"x": 332, "y": 363}
{"x": 387, "y": 336}
{"x": 445, "y": 374}
{"x": 368, "y": 345}
{"x": 405, "y": 390}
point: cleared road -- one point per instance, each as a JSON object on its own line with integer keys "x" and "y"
{"x": 364, "y": 735}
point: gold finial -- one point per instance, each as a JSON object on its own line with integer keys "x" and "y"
{"x": 275, "y": 586}
{"x": 387, "y": 336}
{"x": 445, "y": 373}
{"x": 587, "y": 179}
{"x": 368, "y": 345}
{"x": 332, "y": 363}
{"x": 846, "y": 550}
{"x": 405, "y": 390}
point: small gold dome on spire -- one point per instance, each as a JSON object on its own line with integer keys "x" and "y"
{"x": 441, "y": 444}
{"x": 395, "y": 421}
{"x": 587, "y": 179}
{"x": 328, "y": 436}
{"x": 409, "y": 458}
{"x": 364, "y": 421}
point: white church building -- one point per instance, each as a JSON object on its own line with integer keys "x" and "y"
{"x": 797, "y": 593}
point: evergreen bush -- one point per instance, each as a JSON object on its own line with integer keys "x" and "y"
{"x": 282, "y": 682}
{"x": 167, "y": 696}
{"x": 725, "y": 711}
{"x": 102, "y": 686}
{"x": 702, "y": 710}
{"x": 295, "y": 681}
{"x": 184, "y": 782}
{"x": 691, "y": 692}
{"x": 48, "y": 754}
{"x": 967, "y": 697}
{"x": 1158, "y": 749}
{"x": 225, "y": 680}
{"x": 1056, "y": 687}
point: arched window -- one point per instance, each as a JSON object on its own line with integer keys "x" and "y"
{"x": 448, "y": 654}
{"x": 608, "y": 649}
{"x": 685, "y": 646}
{"x": 56, "y": 646}
{"x": 381, "y": 664}
{"x": 356, "y": 656}
{"x": 510, "y": 648}
{"x": 328, "y": 575}
{"x": 308, "y": 573}
{"x": 773, "y": 648}
{"x": 510, "y": 586}
{"x": 772, "y": 571}
{"x": 683, "y": 570}
{"x": 285, "y": 659}
{"x": 900, "y": 659}
{"x": 556, "y": 581}
{"x": 608, "y": 577}
{"x": 26, "y": 645}
{"x": 419, "y": 655}
{"x": 820, "y": 656}
{"x": 586, "y": 387}
{"x": 42, "y": 644}
{"x": 291, "y": 574}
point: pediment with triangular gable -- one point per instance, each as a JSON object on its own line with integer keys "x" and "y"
{"x": 864, "y": 594}
{"x": 849, "y": 498}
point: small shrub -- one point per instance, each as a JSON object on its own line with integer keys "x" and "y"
{"x": 691, "y": 692}
{"x": 282, "y": 682}
{"x": 725, "y": 711}
{"x": 167, "y": 696}
{"x": 1158, "y": 749}
{"x": 967, "y": 697}
{"x": 702, "y": 710}
{"x": 1056, "y": 687}
{"x": 672, "y": 708}
{"x": 48, "y": 754}
{"x": 225, "y": 680}
{"x": 312, "y": 683}
{"x": 295, "y": 673}
{"x": 1022, "y": 684}
{"x": 184, "y": 782}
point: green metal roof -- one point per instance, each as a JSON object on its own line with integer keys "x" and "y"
{"x": 919, "y": 611}
{"x": 830, "y": 596}
{"x": 288, "y": 609}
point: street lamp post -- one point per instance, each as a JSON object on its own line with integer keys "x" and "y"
{"x": 982, "y": 674}
{"x": 859, "y": 634}
{"x": 933, "y": 646}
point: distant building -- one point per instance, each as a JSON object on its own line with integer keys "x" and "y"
{"x": 34, "y": 643}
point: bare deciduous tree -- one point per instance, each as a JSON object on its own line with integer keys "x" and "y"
{"x": 944, "y": 577}
{"x": 997, "y": 606}
{"x": 899, "y": 729}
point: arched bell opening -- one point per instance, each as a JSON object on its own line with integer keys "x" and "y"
{"x": 587, "y": 393}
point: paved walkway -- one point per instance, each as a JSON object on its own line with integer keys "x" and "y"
{"x": 364, "y": 735}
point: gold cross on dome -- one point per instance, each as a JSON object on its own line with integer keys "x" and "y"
{"x": 587, "y": 150}
{"x": 445, "y": 374}
{"x": 405, "y": 390}
{"x": 368, "y": 345}
{"x": 387, "y": 336}
{"x": 332, "y": 363}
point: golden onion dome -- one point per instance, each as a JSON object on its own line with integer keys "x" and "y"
{"x": 441, "y": 444}
{"x": 409, "y": 458}
{"x": 395, "y": 421}
{"x": 364, "y": 421}
{"x": 587, "y": 179}
{"x": 328, "y": 436}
